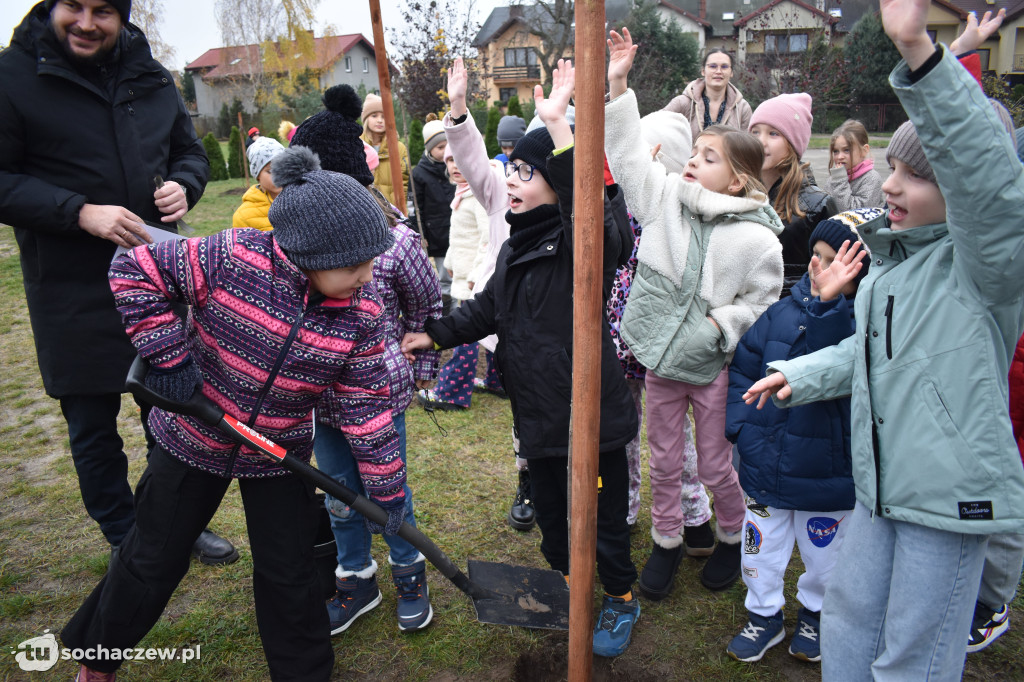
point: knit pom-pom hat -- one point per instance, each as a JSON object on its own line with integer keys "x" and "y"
{"x": 433, "y": 135}
{"x": 324, "y": 220}
{"x": 260, "y": 153}
{"x": 790, "y": 115}
{"x": 844, "y": 227}
{"x": 334, "y": 135}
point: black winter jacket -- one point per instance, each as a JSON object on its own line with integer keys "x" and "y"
{"x": 817, "y": 206}
{"x": 66, "y": 142}
{"x": 434, "y": 194}
{"x": 528, "y": 303}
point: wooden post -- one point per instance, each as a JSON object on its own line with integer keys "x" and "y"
{"x": 390, "y": 130}
{"x": 588, "y": 316}
{"x": 241, "y": 140}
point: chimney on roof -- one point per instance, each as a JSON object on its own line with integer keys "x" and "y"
{"x": 515, "y": 11}
{"x": 703, "y": 9}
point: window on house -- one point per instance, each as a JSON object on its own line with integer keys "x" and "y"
{"x": 520, "y": 56}
{"x": 933, "y": 34}
{"x": 786, "y": 42}
{"x": 505, "y": 94}
{"x": 235, "y": 61}
{"x": 348, "y": 64}
{"x": 366, "y": 65}
{"x": 985, "y": 54}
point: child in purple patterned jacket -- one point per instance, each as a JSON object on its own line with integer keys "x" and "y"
{"x": 411, "y": 294}
{"x": 276, "y": 318}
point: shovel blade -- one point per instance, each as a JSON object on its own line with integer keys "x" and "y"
{"x": 529, "y": 597}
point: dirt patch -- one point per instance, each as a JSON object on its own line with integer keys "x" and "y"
{"x": 549, "y": 662}
{"x": 234, "y": 192}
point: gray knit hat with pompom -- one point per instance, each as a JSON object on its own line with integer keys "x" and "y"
{"x": 324, "y": 220}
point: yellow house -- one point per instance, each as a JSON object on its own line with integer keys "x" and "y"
{"x": 506, "y": 46}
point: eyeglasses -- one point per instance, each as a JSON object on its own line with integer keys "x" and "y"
{"x": 524, "y": 170}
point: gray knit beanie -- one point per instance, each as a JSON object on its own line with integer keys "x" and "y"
{"x": 510, "y": 129}
{"x": 324, "y": 220}
{"x": 905, "y": 146}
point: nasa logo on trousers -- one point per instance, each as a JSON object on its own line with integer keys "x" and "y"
{"x": 822, "y": 530}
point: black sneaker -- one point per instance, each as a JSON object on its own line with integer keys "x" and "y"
{"x": 723, "y": 566}
{"x": 522, "y": 515}
{"x": 699, "y": 540}
{"x": 659, "y": 574}
{"x": 987, "y": 626}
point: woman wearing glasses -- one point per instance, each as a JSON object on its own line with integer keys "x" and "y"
{"x": 712, "y": 99}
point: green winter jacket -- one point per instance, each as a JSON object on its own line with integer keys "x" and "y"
{"x": 938, "y": 317}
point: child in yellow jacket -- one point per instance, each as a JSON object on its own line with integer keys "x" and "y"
{"x": 257, "y": 199}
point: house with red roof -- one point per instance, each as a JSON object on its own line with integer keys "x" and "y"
{"x": 222, "y": 74}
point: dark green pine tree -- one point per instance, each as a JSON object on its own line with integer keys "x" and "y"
{"x": 218, "y": 169}
{"x": 235, "y": 156}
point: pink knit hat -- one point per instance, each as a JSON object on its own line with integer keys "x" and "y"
{"x": 790, "y": 115}
{"x": 372, "y": 158}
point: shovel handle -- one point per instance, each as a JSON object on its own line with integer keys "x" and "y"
{"x": 204, "y": 409}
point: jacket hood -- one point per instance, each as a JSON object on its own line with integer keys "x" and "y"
{"x": 754, "y": 208}
{"x": 879, "y": 236}
{"x": 696, "y": 88}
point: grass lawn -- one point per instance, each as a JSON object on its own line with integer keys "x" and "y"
{"x": 52, "y": 555}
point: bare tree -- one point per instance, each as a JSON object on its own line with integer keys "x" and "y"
{"x": 552, "y": 22}
{"x": 147, "y": 15}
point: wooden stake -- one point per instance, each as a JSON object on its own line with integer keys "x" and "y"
{"x": 588, "y": 307}
{"x": 390, "y": 130}
{"x": 241, "y": 140}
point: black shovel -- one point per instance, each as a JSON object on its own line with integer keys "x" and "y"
{"x": 502, "y": 594}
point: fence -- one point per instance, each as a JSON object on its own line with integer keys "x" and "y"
{"x": 877, "y": 118}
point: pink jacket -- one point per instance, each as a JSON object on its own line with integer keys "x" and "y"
{"x": 487, "y": 181}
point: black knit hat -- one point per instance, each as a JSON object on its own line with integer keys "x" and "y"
{"x": 324, "y": 220}
{"x": 842, "y": 227}
{"x": 123, "y": 7}
{"x": 534, "y": 148}
{"x": 333, "y": 134}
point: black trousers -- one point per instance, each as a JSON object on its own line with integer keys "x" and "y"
{"x": 173, "y": 503}
{"x": 98, "y": 453}
{"x": 549, "y": 478}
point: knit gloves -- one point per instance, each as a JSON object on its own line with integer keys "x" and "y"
{"x": 176, "y": 383}
{"x": 395, "y": 518}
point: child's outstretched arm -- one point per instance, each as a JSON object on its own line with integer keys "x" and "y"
{"x": 468, "y": 149}
{"x": 969, "y": 150}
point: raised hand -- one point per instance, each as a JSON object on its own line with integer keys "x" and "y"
{"x": 976, "y": 33}
{"x": 458, "y": 79}
{"x": 906, "y": 24}
{"x": 621, "y": 51}
{"x": 844, "y": 268}
{"x": 773, "y": 384}
{"x": 551, "y": 109}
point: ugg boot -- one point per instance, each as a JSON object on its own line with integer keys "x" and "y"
{"x": 660, "y": 571}
{"x": 723, "y": 567}
{"x": 522, "y": 516}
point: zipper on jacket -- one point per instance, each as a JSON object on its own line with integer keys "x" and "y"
{"x": 269, "y": 383}
{"x": 888, "y": 327}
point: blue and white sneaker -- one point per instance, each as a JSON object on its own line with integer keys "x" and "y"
{"x": 759, "y": 635}
{"x": 414, "y": 610}
{"x": 806, "y": 644}
{"x": 987, "y": 626}
{"x": 615, "y": 625}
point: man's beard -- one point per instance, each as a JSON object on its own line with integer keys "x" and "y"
{"x": 101, "y": 54}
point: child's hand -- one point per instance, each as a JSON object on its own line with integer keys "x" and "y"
{"x": 458, "y": 79}
{"x": 773, "y": 384}
{"x": 621, "y": 51}
{"x": 974, "y": 33}
{"x": 563, "y": 82}
{"x": 906, "y": 24}
{"x": 844, "y": 268}
{"x": 551, "y": 110}
{"x": 425, "y": 383}
{"x": 414, "y": 341}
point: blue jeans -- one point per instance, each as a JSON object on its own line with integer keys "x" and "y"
{"x": 1001, "y": 574}
{"x": 334, "y": 458}
{"x": 900, "y": 601}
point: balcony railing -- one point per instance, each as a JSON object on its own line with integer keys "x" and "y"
{"x": 516, "y": 73}
{"x": 1018, "y": 62}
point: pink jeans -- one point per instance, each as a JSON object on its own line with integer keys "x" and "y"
{"x": 667, "y": 405}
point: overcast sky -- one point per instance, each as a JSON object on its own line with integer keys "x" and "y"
{"x": 190, "y": 27}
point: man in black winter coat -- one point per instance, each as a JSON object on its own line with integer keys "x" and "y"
{"x": 88, "y": 119}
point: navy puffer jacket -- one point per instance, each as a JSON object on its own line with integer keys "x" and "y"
{"x": 797, "y": 458}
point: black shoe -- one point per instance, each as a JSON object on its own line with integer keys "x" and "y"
{"x": 659, "y": 573}
{"x": 723, "y": 566}
{"x": 699, "y": 540}
{"x": 213, "y": 550}
{"x": 522, "y": 516}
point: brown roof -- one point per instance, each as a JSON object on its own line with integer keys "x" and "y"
{"x": 679, "y": 10}
{"x": 1013, "y": 7}
{"x": 242, "y": 60}
{"x": 814, "y": 10}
